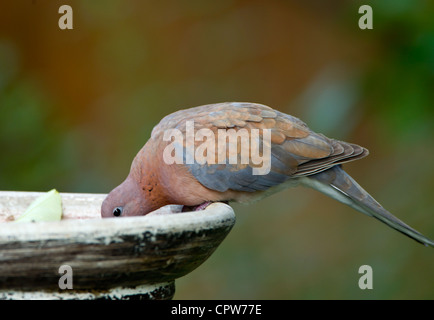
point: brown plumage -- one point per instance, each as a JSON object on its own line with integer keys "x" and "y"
{"x": 297, "y": 156}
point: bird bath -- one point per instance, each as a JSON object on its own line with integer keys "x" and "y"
{"x": 115, "y": 258}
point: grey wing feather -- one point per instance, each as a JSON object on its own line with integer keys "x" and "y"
{"x": 229, "y": 177}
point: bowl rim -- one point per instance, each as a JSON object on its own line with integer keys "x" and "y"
{"x": 164, "y": 220}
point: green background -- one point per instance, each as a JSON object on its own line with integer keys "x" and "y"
{"x": 77, "y": 105}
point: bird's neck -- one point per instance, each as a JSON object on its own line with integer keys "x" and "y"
{"x": 145, "y": 170}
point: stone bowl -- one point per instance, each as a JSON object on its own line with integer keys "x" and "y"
{"x": 114, "y": 258}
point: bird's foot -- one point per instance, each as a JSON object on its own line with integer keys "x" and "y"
{"x": 202, "y": 206}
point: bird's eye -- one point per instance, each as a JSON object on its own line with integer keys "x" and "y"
{"x": 117, "y": 211}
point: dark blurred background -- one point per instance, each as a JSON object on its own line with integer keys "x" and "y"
{"x": 77, "y": 105}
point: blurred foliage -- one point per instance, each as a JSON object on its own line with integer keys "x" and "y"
{"x": 401, "y": 78}
{"x": 76, "y": 106}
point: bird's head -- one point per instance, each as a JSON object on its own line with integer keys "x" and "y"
{"x": 125, "y": 200}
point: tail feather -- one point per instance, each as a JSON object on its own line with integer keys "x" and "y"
{"x": 339, "y": 185}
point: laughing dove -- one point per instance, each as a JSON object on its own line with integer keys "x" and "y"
{"x": 239, "y": 152}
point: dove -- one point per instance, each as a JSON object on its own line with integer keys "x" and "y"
{"x": 240, "y": 152}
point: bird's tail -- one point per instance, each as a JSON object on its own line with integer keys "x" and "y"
{"x": 339, "y": 185}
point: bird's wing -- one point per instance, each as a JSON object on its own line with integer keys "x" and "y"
{"x": 295, "y": 150}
